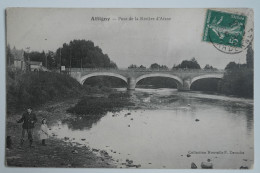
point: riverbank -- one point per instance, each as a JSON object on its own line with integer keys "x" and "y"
{"x": 57, "y": 153}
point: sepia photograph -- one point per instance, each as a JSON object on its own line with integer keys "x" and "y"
{"x": 130, "y": 88}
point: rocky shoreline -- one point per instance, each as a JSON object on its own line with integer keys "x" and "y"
{"x": 57, "y": 153}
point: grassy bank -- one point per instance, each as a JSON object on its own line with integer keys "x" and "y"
{"x": 36, "y": 88}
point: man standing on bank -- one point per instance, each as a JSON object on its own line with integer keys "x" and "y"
{"x": 28, "y": 119}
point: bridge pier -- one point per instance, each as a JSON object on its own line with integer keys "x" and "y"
{"x": 186, "y": 85}
{"x": 131, "y": 82}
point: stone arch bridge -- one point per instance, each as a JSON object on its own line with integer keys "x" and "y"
{"x": 184, "y": 77}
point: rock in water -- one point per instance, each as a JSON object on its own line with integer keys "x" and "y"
{"x": 193, "y": 166}
{"x": 206, "y": 165}
{"x": 243, "y": 167}
{"x": 138, "y": 166}
{"x": 197, "y": 120}
{"x": 188, "y": 155}
{"x": 75, "y": 152}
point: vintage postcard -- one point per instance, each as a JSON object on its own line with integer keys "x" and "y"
{"x": 130, "y": 88}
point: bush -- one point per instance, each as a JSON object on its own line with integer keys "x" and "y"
{"x": 239, "y": 82}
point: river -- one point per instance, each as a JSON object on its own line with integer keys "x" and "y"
{"x": 172, "y": 129}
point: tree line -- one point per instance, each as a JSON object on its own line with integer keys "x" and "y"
{"x": 75, "y": 54}
{"x": 185, "y": 64}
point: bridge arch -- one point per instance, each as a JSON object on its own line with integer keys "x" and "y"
{"x": 216, "y": 76}
{"x": 176, "y": 78}
{"x": 83, "y": 78}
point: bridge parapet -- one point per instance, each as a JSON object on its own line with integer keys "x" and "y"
{"x": 182, "y": 73}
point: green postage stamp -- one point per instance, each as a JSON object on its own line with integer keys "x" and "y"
{"x": 224, "y": 28}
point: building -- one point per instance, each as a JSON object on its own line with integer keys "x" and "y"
{"x": 35, "y": 65}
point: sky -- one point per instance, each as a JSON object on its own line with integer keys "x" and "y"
{"x": 166, "y": 42}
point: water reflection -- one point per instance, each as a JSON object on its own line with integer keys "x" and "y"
{"x": 80, "y": 123}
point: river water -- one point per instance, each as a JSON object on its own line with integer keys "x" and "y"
{"x": 172, "y": 129}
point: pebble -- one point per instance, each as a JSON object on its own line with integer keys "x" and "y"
{"x": 138, "y": 166}
{"x": 96, "y": 150}
{"x": 193, "y": 166}
{"x": 243, "y": 167}
{"x": 206, "y": 165}
{"x": 197, "y": 120}
{"x": 75, "y": 152}
{"x": 188, "y": 155}
{"x": 130, "y": 161}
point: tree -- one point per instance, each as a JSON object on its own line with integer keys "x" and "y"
{"x": 190, "y": 64}
{"x": 9, "y": 56}
{"x": 51, "y": 62}
{"x": 250, "y": 57}
{"x": 132, "y": 66}
{"x": 112, "y": 65}
{"x": 238, "y": 82}
{"x": 82, "y": 53}
{"x": 142, "y": 67}
{"x": 231, "y": 66}
{"x": 209, "y": 67}
{"x": 155, "y": 66}
{"x": 164, "y": 67}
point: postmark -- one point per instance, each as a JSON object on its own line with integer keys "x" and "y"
{"x": 228, "y": 32}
